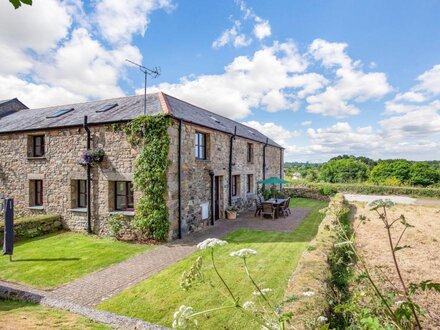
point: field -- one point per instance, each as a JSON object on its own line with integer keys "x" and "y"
{"x": 20, "y": 315}
{"x": 418, "y": 263}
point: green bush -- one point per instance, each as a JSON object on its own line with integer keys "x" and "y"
{"x": 34, "y": 226}
{"x": 363, "y": 188}
{"x": 344, "y": 170}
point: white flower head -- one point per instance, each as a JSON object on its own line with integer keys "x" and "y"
{"x": 400, "y": 302}
{"x": 263, "y": 291}
{"x": 308, "y": 293}
{"x": 181, "y": 317}
{"x": 322, "y": 319}
{"x": 243, "y": 253}
{"x": 210, "y": 242}
{"x": 249, "y": 305}
{"x": 271, "y": 325}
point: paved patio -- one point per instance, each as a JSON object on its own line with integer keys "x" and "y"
{"x": 96, "y": 287}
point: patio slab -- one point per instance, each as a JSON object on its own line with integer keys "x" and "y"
{"x": 96, "y": 287}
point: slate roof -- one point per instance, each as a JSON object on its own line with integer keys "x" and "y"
{"x": 127, "y": 108}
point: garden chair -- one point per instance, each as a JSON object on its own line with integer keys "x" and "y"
{"x": 268, "y": 209}
{"x": 258, "y": 206}
{"x": 285, "y": 208}
{"x": 287, "y": 205}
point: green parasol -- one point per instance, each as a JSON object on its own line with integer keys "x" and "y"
{"x": 273, "y": 180}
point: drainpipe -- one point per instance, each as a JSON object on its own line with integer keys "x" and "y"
{"x": 88, "y": 182}
{"x": 281, "y": 166}
{"x": 231, "y": 145}
{"x": 179, "y": 180}
{"x": 211, "y": 174}
{"x": 264, "y": 160}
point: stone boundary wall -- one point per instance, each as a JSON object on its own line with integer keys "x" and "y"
{"x": 306, "y": 193}
{"x": 34, "y": 226}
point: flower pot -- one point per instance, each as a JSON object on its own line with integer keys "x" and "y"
{"x": 231, "y": 215}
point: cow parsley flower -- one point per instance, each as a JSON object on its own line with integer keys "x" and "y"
{"x": 181, "y": 317}
{"x": 264, "y": 291}
{"x": 243, "y": 253}
{"x": 379, "y": 203}
{"x": 322, "y": 319}
{"x": 210, "y": 242}
{"x": 400, "y": 302}
{"x": 308, "y": 293}
{"x": 249, "y": 305}
{"x": 271, "y": 325}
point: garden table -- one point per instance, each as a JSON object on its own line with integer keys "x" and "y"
{"x": 277, "y": 202}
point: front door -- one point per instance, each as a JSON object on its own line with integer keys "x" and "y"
{"x": 217, "y": 198}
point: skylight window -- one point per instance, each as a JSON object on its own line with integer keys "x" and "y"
{"x": 107, "y": 107}
{"x": 59, "y": 113}
{"x": 215, "y": 119}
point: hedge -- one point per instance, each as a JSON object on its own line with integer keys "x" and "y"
{"x": 33, "y": 226}
{"x": 362, "y": 188}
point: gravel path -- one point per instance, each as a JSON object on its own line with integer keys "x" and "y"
{"x": 395, "y": 199}
{"x": 96, "y": 287}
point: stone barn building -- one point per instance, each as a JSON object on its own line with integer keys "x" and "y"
{"x": 215, "y": 162}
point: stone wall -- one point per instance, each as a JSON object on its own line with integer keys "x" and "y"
{"x": 196, "y": 180}
{"x": 60, "y": 170}
{"x": 34, "y": 226}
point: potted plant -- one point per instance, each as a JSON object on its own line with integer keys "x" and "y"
{"x": 92, "y": 156}
{"x": 231, "y": 213}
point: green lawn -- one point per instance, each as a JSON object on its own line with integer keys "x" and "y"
{"x": 157, "y": 298}
{"x": 21, "y": 315}
{"x": 49, "y": 261}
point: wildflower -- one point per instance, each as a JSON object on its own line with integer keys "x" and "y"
{"x": 193, "y": 275}
{"x": 378, "y": 203}
{"x": 243, "y": 253}
{"x": 271, "y": 325}
{"x": 263, "y": 291}
{"x": 249, "y": 305}
{"x": 322, "y": 319}
{"x": 308, "y": 293}
{"x": 181, "y": 317}
{"x": 210, "y": 242}
{"x": 400, "y": 302}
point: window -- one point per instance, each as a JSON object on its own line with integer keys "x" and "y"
{"x": 235, "y": 185}
{"x": 81, "y": 189}
{"x": 200, "y": 145}
{"x": 37, "y": 146}
{"x": 124, "y": 196}
{"x": 59, "y": 113}
{"x": 250, "y": 153}
{"x": 37, "y": 188}
{"x": 250, "y": 183}
{"x": 107, "y": 107}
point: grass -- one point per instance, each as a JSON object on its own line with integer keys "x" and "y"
{"x": 49, "y": 261}
{"x": 22, "y": 315}
{"x": 156, "y": 298}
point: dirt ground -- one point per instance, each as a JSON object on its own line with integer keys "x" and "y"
{"x": 419, "y": 263}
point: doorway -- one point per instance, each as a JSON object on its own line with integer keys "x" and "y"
{"x": 217, "y": 197}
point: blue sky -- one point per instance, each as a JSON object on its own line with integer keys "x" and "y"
{"x": 321, "y": 77}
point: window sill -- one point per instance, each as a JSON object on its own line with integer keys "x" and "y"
{"x": 36, "y": 207}
{"x": 202, "y": 160}
{"x": 126, "y": 213}
{"x": 78, "y": 210}
{"x": 234, "y": 198}
{"x": 36, "y": 158}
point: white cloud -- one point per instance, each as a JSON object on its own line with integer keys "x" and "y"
{"x": 119, "y": 20}
{"x": 352, "y": 85}
{"x": 262, "y": 80}
{"x": 430, "y": 81}
{"x": 234, "y": 35}
{"x": 82, "y": 65}
{"x": 276, "y": 132}
{"x": 306, "y": 123}
{"x": 51, "y": 50}
{"x": 262, "y": 30}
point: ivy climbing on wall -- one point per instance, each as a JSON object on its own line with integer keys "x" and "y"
{"x": 150, "y": 173}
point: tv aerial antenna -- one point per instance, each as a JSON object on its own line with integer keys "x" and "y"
{"x": 154, "y": 73}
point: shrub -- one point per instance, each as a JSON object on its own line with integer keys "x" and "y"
{"x": 422, "y": 174}
{"x": 399, "y": 169}
{"x": 35, "y": 226}
{"x": 344, "y": 170}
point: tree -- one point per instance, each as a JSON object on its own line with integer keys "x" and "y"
{"x": 344, "y": 170}
{"x": 421, "y": 174}
{"x": 384, "y": 170}
{"x": 368, "y": 161}
{"x": 17, "y": 3}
